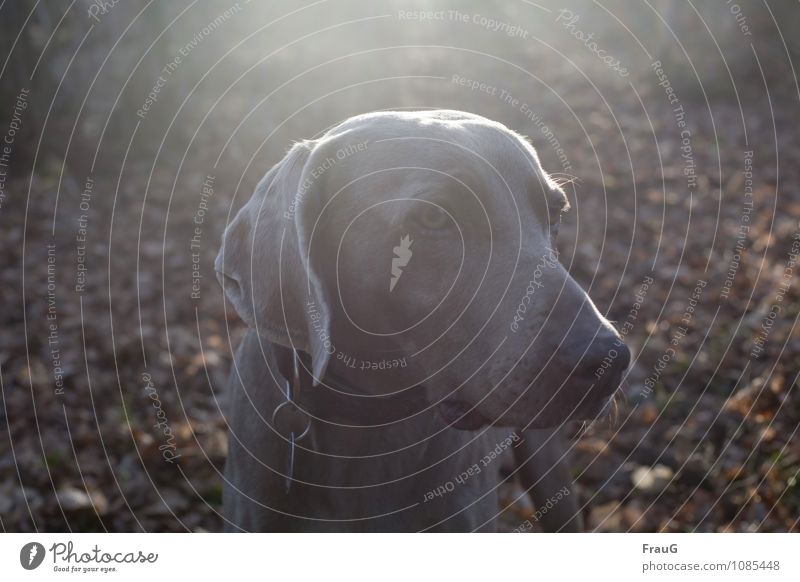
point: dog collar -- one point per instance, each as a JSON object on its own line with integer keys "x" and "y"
{"x": 293, "y": 418}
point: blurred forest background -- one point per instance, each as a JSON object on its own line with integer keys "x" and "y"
{"x": 103, "y": 179}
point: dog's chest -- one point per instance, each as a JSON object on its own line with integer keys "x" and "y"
{"x": 384, "y": 484}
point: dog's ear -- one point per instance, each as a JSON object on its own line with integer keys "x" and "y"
{"x": 268, "y": 271}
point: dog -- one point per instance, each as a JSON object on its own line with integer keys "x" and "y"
{"x": 410, "y": 326}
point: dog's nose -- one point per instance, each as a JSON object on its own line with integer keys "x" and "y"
{"x": 602, "y": 361}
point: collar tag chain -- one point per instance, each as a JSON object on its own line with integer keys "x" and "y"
{"x": 290, "y": 421}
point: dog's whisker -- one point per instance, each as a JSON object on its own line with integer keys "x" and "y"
{"x": 562, "y": 179}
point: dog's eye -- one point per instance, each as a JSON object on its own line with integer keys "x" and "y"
{"x": 431, "y": 217}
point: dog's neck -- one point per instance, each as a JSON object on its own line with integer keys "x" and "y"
{"x": 340, "y": 395}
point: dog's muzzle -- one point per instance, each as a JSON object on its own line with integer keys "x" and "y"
{"x": 599, "y": 368}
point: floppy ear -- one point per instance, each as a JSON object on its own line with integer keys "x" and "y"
{"x": 266, "y": 251}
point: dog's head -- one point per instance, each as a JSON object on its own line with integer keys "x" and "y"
{"x": 418, "y": 248}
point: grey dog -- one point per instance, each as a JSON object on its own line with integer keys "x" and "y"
{"x": 409, "y": 323}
